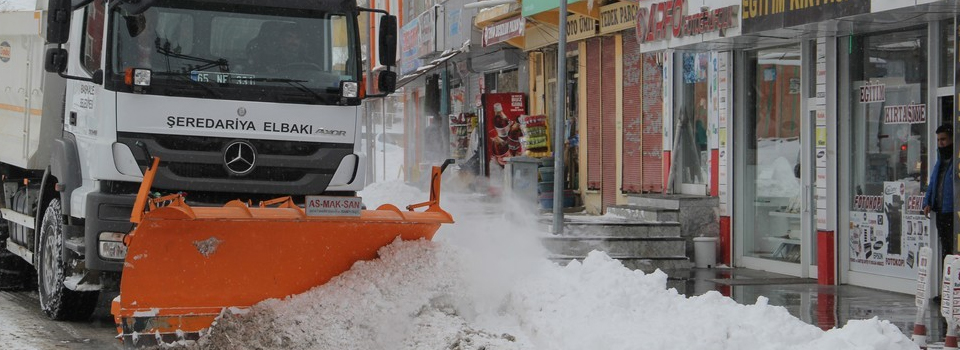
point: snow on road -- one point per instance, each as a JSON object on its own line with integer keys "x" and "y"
{"x": 484, "y": 283}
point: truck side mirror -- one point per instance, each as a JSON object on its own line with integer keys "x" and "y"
{"x": 55, "y": 60}
{"x": 387, "y": 82}
{"x": 58, "y": 21}
{"x": 387, "y": 40}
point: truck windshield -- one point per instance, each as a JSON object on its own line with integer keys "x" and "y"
{"x": 236, "y": 52}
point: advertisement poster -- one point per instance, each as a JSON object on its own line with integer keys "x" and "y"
{"x": 887, "y": 231}
{"x": 501, "y": 112}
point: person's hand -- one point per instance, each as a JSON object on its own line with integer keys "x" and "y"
{"x": 926, "y": 211}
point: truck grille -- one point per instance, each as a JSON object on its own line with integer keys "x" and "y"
{"x": 190, "y": 163}
{"x": 218, "y": 172}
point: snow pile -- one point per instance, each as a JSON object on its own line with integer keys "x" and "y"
{"x": 418, "y": 295}
{"x": 408, "y": 299}
{"x": 484, "y": 283}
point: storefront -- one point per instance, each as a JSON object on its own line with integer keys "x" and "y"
{"x": 890, "y": 90}
{"x": 831, "y": 150}
{"x": 541, "y": 44}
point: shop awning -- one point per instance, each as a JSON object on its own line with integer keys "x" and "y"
{"x": 548, "y": 12}
{"x": 424, "y": 69}
{"x": 495, "y": 14}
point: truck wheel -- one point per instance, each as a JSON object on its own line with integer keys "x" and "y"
{"x": 58, "y": 302}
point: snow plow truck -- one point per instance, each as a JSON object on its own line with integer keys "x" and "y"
{"x": 194, "y": 155}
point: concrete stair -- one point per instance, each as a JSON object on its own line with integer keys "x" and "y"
{"x": 640, "y": 245}
{"x": 645, "y": 213}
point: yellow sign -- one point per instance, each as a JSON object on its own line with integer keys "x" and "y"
{"x": 722, "y": 134}
{"x": 618, "y": 16}
{"x": 580, "y": 27}
{"x": 821, "y": 136}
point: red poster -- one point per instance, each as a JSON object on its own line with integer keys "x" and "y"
{"x": 501, "y": 112}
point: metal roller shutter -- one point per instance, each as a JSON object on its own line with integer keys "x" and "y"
{"x": 609, "y": 119}
{"x": 652, "y": 134}
{"x": 632, "y": 120}
{"x": 594, "y": 151}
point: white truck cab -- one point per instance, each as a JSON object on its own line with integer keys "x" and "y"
{"x": 249, "y": 99}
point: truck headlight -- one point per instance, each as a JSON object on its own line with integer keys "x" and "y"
{"x": 349, "y": 89}
{"x": 111, "y": 246}
{"x": 137, "y": 76}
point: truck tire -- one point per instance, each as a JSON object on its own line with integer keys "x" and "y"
{"x": 58, "y": 302}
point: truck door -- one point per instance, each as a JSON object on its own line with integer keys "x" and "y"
{"x": 81, "y": 96}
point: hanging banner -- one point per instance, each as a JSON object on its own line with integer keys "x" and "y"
{"x": 503, "y": 31}
{"x": 409, "y": 46}
{"x": 761, "y": 15}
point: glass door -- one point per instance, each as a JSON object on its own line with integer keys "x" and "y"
{"x": 692, "y": 173}
{"x": 770, "y": 149}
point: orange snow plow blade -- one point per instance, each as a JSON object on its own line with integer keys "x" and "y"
{"x": 185, "y": 265}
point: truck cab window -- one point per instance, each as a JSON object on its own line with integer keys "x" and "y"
{"x": 93, "y": 36}
{"x": 239, "y": 52}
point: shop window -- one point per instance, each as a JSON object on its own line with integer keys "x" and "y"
{"x": 887, "y": 96}
{"x": 948, "y": 37}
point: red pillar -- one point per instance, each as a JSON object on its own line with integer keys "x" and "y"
{"x": 826, "y": 264}
{"x": 725, "y": 242}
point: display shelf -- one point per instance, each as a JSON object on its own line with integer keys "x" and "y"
{"x": 782, "y": 239}
{"x": 784, "y": 214}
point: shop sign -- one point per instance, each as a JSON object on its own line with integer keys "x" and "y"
{"x": 761, "y": 15}
{"x": 580, "y": 27}
{"x": 873, "y": 93}
{"x": 667, "y": 19}
{"x": 453, "y": 18}
{"x": 905, "y": 114}
{"x": 503, "y": 31}
{"x": 618, "y": 16}
{"x": 409, "y": 45}
{"x": 427, "y": 30}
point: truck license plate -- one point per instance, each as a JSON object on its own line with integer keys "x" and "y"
{"x": 333, "y": 206}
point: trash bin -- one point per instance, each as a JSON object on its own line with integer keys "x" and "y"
{"x": 705, "y": 251}
{"x": 521, "y": 178}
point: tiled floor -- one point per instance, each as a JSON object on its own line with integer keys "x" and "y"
{"x": 823, "y": 306}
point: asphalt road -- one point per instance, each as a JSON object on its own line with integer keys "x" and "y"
{"x": 23, "y": 326}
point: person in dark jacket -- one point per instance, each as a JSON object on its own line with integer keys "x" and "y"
{"x": 939, "y": 196}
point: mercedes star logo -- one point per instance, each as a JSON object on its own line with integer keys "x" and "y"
{"x": 239, "y": 157}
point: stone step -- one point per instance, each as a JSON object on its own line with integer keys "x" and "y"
{"x": 618, "y": 228}
{"x": 647, "y": 265}
{"x": 652, "y": 247}
{"x": 654, "y": 202}
{"x": 645, "y": 213}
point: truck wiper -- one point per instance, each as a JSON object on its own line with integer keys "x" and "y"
{"x": 295, "y": 83}
{"x": 165, "y": 50}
